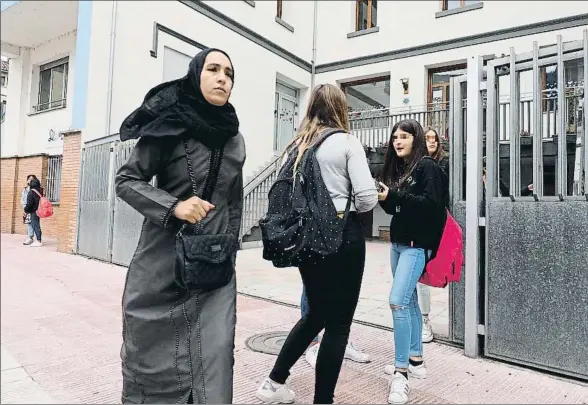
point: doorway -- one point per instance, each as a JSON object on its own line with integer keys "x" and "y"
{"x": 438, "y": 96}
{"x": 285, "y": 115}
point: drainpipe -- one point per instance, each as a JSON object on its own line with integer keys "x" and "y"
{"x": 314, "y": 33}
{"x": 111, "y": 66}
{"x": 111, "y": 197}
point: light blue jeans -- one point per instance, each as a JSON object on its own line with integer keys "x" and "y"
{"x": 407, "y": 266}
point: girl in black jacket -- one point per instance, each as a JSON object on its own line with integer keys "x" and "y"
{"x": 412, "y": 191}
{"x": 31, "y": 207}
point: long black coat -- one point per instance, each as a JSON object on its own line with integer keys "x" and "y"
{"x": 177, "y": 343}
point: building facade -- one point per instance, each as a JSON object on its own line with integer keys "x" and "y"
{"x": 77, "y": 69}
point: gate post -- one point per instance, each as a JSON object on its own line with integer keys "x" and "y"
{"x": 474, "y": 144}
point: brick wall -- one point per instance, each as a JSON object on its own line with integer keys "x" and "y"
{"x": 14, "y": 171}
{"x": 8, "y": 169}
{"x": 70, "y": 174}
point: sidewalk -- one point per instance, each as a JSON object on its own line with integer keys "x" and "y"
{"x": 61, "y": 335}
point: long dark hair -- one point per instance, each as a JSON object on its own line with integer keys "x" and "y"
{"x": 440, "y": 152}
{"x": 397, "y": 170}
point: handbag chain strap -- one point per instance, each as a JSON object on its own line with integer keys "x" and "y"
{"x": 212, "y": 174}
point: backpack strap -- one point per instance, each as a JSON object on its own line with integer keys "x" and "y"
{"x": 327, "y": 133}
{"x": 36, "y": 192}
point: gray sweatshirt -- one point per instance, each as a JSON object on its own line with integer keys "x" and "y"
{"x": 343, "y": 167}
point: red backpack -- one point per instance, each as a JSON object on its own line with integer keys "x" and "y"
{"x": 45, "y": 208}
{"x": 445, "y": 267}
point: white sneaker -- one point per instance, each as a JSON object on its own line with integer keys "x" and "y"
{"x": 399, "y": 390}
{"x": 36, "y": 244}
{"x": 27, "y": 241}
{"x": 427, "y": 330}
{"x": 312, "y": 354}
{"x": 271, "y": 392}
{"x": 418, "y": 372}
{"x": 351, "y": 353}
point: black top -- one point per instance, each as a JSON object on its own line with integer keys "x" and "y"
{"x": 33, "y": 198}
{"x": 418, "y": 207}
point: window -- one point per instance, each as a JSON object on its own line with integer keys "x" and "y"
{"x": 52, "y": 85}
{"x": 4, "y": 80}
{"x": 366, "y": 14}
{"x": 54, "y": 164}
{"x": 3, "y": 111}
{"x": 455, "y": 4}
{"x": 368, "y": 95}
{"x": 279, "y": 12}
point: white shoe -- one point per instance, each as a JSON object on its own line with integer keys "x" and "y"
{"x": 36, "y": 244}
{"x": 399, "y": 390}
{"x": 27, "y": 241}
{"x": 271, "y": 392}
{"x": 427, "y": 330}
{"x": 312, "y": 354}
{"x": 418, "y": 372}
{"x": 351, "y": 353}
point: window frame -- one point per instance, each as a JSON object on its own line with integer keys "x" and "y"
{"x": 52, "y": 104}
{"x": 462, "y": 4}
{"x": 370, "y": 19}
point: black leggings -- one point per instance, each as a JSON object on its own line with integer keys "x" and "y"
{"x": 332, "y": 287}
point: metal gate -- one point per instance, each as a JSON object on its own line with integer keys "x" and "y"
{"x": 526, "y": 249}
{"x": 94, "y": 203}
{"x": 109, "y": 228}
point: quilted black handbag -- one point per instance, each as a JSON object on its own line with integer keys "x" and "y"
{"x": 204, "y": 262}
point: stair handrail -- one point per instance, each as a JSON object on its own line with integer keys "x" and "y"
{"x": 272, "y": 166}
{"x": 251, "y": 219}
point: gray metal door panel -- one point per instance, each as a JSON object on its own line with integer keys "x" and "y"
{"x": 537, "y": 298}
{"x": 94, "y": 227}
{"x": 126, "y": 221}
{"x": 457, "y": 290}
{"x": 457, "y": 125}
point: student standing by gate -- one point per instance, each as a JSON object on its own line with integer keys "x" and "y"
{"x": 413, "y": 193}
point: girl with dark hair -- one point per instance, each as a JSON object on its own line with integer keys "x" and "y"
{"x": 438, "y": 153}
{"x": 436, "y": 150}
{"x": 179, "y": 300}
{"x": 31, "y": 207}
{"x": 413, "y": 192}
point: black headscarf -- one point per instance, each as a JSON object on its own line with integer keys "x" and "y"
{"x": 178, "y": 108}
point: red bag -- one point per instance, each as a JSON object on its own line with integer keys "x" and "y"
{"x": 445, "y": 267}
{"x": 45, "y": 208}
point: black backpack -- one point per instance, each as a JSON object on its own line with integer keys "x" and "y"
{"x": 301, "y": 225}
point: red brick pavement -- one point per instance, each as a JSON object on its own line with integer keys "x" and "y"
{"x": 61, "y": 334}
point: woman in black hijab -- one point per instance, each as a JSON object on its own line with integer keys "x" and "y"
{"x": 179, "y": 301}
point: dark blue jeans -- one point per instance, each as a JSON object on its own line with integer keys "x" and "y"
{"x": 36, "y": 225}
{"x": 304, "y": 308}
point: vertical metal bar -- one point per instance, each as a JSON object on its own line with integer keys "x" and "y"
{"x": 537, "y": 125}
{"x": 473, "y": 194}
{"x": 585, "y": 115}
{"x": 450, "y": 138}
{"x": 79, "y": 207}
{"x": 491, "y": 134}
{"x": 111, "y": 196}
{"x": 492, "y": 165}
{"x": 562, "y": 166}
{"x": 457, "y": 141}
{"x": 514, "y": 140}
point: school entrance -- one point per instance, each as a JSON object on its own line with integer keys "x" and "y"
{"x": 520, "y": 191}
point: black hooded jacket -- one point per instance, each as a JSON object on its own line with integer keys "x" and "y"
{"x": 32, "y": 197}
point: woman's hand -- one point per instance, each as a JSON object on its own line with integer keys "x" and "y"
{"x": 384, "y": 193}
{"x": 193, "y": 210}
